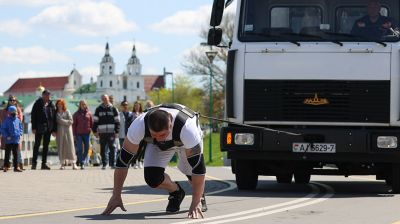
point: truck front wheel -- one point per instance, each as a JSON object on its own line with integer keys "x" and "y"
{"x": 246, "y": 174}
{"x": 284, "y": 178}
{"x": 302, "y": 177}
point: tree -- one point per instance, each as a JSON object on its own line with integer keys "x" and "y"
{"x": 198, "y": 64}
{"x": 184, "y": 93}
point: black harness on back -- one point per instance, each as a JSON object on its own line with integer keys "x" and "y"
{"x": 180, "y": 120}
{"x": 196, "y": 159}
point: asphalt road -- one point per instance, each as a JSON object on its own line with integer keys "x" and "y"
{"x": 80, "y": 196}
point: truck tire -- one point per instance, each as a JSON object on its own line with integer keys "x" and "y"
{"x": 284, "y": 178}
{"x": 246, "y": 175}
{"x": 302, "y": 177}
{"x": 388, "y": 181}
{"x": 395, "y": 182}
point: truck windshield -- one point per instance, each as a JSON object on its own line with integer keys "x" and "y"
{"x": 324, "y": 20}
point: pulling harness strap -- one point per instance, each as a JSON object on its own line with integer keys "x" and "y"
{"x": 180, "y": 120}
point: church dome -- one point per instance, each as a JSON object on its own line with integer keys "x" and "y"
{"x": 107, "y": 57}
{"x": 40, "y": 88}
{"x": 133, "y": 60}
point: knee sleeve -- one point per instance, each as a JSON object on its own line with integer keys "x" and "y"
{"x": 124, "y": 158}
{"x": 154, "y": 176}
{"x": 197, "y": 163}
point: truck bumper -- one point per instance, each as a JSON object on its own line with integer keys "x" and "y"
{"x": 352, "y": 144}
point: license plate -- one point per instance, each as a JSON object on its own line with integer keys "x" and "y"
{"x": 314, "y": 148}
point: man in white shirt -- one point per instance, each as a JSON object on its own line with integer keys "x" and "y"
{"x": 166, "y": 129}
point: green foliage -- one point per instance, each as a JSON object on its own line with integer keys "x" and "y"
{"x": 184, "y": 93}
{"x": 86, "y": 88}
{"x": 217, "y": 155}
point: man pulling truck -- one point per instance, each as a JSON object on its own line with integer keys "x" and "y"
{"x": 164, "y": 130}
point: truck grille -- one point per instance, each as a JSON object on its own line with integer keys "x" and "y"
{"x": 327, "y": 101}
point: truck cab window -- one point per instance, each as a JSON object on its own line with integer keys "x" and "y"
{"x": 347, "y": 17}
{"x": 323, "y": 20}
{"x": 296, "y": 18}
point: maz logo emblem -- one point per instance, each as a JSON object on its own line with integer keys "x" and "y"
{"x": 316, "y": 101}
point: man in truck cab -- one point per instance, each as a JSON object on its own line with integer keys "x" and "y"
{"x": 373, "y": 25}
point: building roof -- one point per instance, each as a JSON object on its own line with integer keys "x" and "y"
{"x": 152, "y": 81}
{"x": 24, "y": 85}
{"x": 22, "y": 100}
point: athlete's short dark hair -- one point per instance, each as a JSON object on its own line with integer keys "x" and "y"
{"x": 158, "y": 120}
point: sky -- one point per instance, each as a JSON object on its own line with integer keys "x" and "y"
{"x": 51, "y": 37}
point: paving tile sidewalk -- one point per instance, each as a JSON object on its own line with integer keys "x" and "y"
{"x": 36, "y": 191}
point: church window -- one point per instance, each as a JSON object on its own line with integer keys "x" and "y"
{"x": 137, "y": 85}
{"x": 124, "y": 98}
{"x": 110, "y": 83}
{"x": 101, "y": 83}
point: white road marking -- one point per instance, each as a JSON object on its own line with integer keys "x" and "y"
{"x": 281, "y": 207}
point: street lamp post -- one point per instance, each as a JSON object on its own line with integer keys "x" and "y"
{"x": 172, "y": 78}
{"x": 211, "y": 55}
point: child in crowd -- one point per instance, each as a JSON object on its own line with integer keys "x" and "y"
{"x": 11, "y": 129}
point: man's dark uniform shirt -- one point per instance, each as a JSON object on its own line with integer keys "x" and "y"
{"x": 365, "y": 28}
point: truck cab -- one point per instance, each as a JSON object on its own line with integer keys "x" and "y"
{"x": 317, "y": 84}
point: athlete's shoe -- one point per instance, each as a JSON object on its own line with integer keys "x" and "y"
{"x": 203, "y": 203}
{"x": 175, "y": 199}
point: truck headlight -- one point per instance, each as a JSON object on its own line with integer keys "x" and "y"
{"x": 387, "y": 142}
{"x": 244, "y": 139}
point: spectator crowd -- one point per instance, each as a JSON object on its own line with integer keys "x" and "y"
{"x": 73, "y": 132}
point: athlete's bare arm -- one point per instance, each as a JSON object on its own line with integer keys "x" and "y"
{"x": 119, "y": 179}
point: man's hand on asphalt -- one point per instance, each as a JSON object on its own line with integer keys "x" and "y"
{"x": 115, "y": 202}
{"x": 195, "y": 211}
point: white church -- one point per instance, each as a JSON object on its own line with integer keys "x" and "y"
{"x": 127, "y": 86}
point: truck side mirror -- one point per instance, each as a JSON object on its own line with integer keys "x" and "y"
{"x": 217, "y": 12}
{"x": 214, "y": 36}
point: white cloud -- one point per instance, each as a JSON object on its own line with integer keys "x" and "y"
{"x": 90, "y": 48}
{"x": 124, "y": 47}
{"x": 151, "y": 71}
{"x": 89, "y": 72}
{"x": 13, "y": 28}
{"x": 87, "y": 18}
{"x": 184, "y": 22}
{"x": 141, "y": 47}
{"x": 30, "y": 3}
{"x": 35, "y": 74}
{"x": 31, "y": 55}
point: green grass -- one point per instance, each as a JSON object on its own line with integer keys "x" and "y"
{"x": 216, "y": 154}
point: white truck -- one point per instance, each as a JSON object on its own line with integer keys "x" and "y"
{"x": 299, "y": 66}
